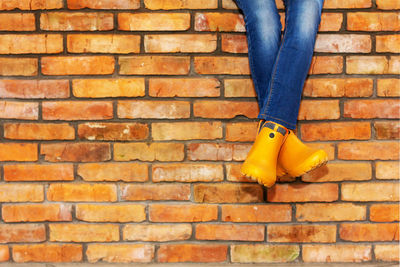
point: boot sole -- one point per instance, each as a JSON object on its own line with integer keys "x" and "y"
{"x": 316, "y": 160}
{"x": 251, "y": 171}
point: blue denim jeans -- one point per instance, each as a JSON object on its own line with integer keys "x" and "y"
{"x": 279, "y": 63}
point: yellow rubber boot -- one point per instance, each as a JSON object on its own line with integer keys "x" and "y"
{"x": 260, "y": 164}
{"x": 296, "y": 158}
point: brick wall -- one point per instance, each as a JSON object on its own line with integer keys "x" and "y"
{"x": 124, "y": 124}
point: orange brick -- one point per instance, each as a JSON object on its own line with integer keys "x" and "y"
{"x": 387, "y": 252}
{"x": 96, "y": 88}
{"x": 126, "y": 253}
{"x": 77, "y": 65}
{"x": 157, "y": 232}
{"x": 149, "y": 152}
{"x": 336, "y": 253}
{"x": 113, "y": 131}
{"x": 224, "y": 109}
{"x": 368, "y": 65}
{"x": 319, "y": 110}
{"x": 36, "y": 172}
{"x": 215, "y": 21}
{"x": 373, "y": 21}
{"x": 388, "y": 43}
{"x": 388, "y": 87}
{"x": 128, "y": 172}
{"x": 82, "y": 192}
{"x": 384, "y": 213}
{"x": 187, "y": 87}
{"x": 105, "y": 43}
{"x": 187, "y": 172}
{"x": 316, "y": 212}
{"x": 222, "y": 65}
{"x": 239, "y": 88}
{"x": 369, "y": 151}
{"x": 17, "y": 22}
{"x": 22, "y": 192}
{"x": 80, "y": 152}
{"x": 388, "y": 4}
{"x": 101, "y": 4}
{"x": 301, "y": 233}
{"x": 336, "y": 131}
{"x": 79, "y": 232}
{"x": 394, "y": 65}
{"x": 343, "y": 43}
{"x": 133, "y": 192}
{"x": 36, "y": 212}
{"x": 228, "y": 193}
{"x": 373, "y": 191}
{"x": 151, "y": 21}
{"x": 357, "y": 232}
{"x": 76, "y": 21}
{"x": 22, "y": 233}
{"x": 180, "y": 4}
{"x": 337, "y": 171}
{"x": 47, "y": 253}
{"x": 18, "y": 66}
{"x": 4, "y": 253}
{"x": 77, "y": 110}
{"x": 19, "y": 110}
{"x": 229, "y": 4}
{"x": 326, "y": 65}
{"x": 347, "y": 4}
{"x": 18, "y": 152}
{"x": 110, "y": 213}
{"x": 329, "y": 148}
{"x": 256, "y": 213}
{"x": 182, "y": 213}
{"x": 387, "y": 129}
{"x": 333, "y": 87}
{"x": 326, "y": 192}
{"x": 230, "y": 232}
{"x": 331, "y": 22}
{"x": 31, "y": 5}
{"x": 387, "y": 170}
{"x": 241, "y": 131}
{"x": 34, "y": 89}
{"x": 132, "y": 109}
{"x": 31, "y": 44}
{"x": 233, "y": 174}
{"x": 260, "y": 253}
{"x": 39, "y": 131}
{"x": 180, "y": 43}
{"x": 154, "y": 65}
{"x": 234, "y": 43}
{"x": 192, "y": 253}
{"x": 186, "y": 130}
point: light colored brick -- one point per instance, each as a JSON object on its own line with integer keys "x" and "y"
{"x": 182, "y": 213}
{"x": 77, "y": 65}
{"x": 157, "y": 232}
{"x": 154, "y": 65}
{"x": 331, "y": 21}
{"x": 47, "y": 253}
{"x": 180, "y": 43}
{"x": 228, "y": 193}
{"x": 222, "y": 65}
{"x": 326, "y": 192}
{"x": 151, "y": 21}
{"x": 377, "y": 150}
{"x": 96, "y": 88}
{"x": 184, "y": 87}
{"x": 343, "y": 43}
{"x": 230, "y": 232}
{"x": 36, "y": 212}
{"x": 239, "y": 88}
{"x": 387, "y": 252}
{"x": 18, "y": 66}
{"x": 300, "y": 233}
{"x": 126, "y": 253}
{"x": 326, "y": 65}
{"x": 110, "y": 213}
{"x": 101, "y": 4}
{"x": 187, "y": 172}
{"x": 334, "y": 4}
{"x": 105, "y": 43}
{"x": 224, "y": 109}
{"x": 34, "y": 89}
{"x": 217, "y": 151}
{"x": 388, "y": 4}
{"x": 373, "y": 21}
{"x": 38, "y": 172}
{"x": 186, "y": 130}
{"x": 319, "y": 110}
{"x": 149, "y": 152}
{"x": 338, "y": 171}
{"x": 373, "y": 191}
{"x": 17, "y": 22}
{"x": 180, "y": 4}
{"x": 192, "y": 253}
{"x": 146, "y": 109}
{"x": 81, "y": 192}
{"x": 241, "y": 131}
{"x": 21, "y": 192}
{"x": 388, "y": 43}
{"x": 76, "y": 21}
{"x": 127, "y": 172}
{"x": 316, "y": 212}
{"x": 256, "y": 213}
{"x": 138, "y": 192}
{"x": 19, "y": 110}
{"x": 367, "y": 65}
{"x": 387, "y": 170}
{"x": 22, "y": 233}
{"x": 31, "y": 5}
{"x": 335, "y": 87}
{"x": 39, "y": 131}
{"x": 336, "y": 253}
{"x": 388, "y": 87}
{"x": 31, "y": 44}
{"x": 260, "y": 253}
{"x": 234, "y": 43}
{"x": 79, "y": 232}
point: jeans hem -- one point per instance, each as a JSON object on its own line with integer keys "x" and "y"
{"x": 288, "y": 125}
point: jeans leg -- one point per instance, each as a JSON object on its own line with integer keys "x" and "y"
{"x": 292, "y": 62}
{"x": 263, "y": 29}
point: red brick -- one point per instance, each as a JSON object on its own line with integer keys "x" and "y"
{"x": 36, "y": 172}
{"x": 18, "y": 66}
{"x": 186, "y": 130}
{"x": 301, "y": 233}
{"x": 81, "y": 192}
{"x": 34, "y": 89}
{"x": 31, "y": 44}
{"x": 157, "y": 232}
{"x": 22, "y": 233}
{"x": 47, "y": 253}
{"x": 326, "y": 65}
{"x": 151, "y": 21}
{"x": 228, "y": 193}
{"x": 230, "y": 232}
{"x": 180, "y": 43}
{"x": 387, "y": 4}
{"x": 17, "y": 22}
{"x": 387, "y": 129}
{"x": 367, "y": 109}
{"x": 234, "y": 43}
{"x": 113, "y": 131}
{"x": 316, "y": 212}
{"x": 187, "y": 172}
{"x": 149, "y": 151}
{"x": 180, "y": 4}
{"x": 336, "y": 131}
{"x": 223, "y": 22}
{"x": 79, "y": 232}
{"x": 76, "y": 21}
{"x": 101, "y": 4}
{"x": 373, "y": 21}
{"x": 256, "y": 213}
{"x": 31, "y": 5}
{"x": 126, "y": 253}
{"x": 19, "y": 110}
{"x": 319, "y": 110}
{"x": 239, "y": 88}
{"x": 192, "y": 253}
{"x": 335, "y": 4}
{"x": 184, "y": 87}
{"x": 36, "y": 212}
{"x": 369, "y": 150}
{"x": 222, "y": 65}
{"x": 334, "y": 87}
{"x": 368, "y": 65}
{"x": 133, "y": 192}
{"x": 4, "y": 253}
{"x": 357, "y": 232}
{"x": 39, "y": 131}
{"x": 260, "y": 253}
{"x": 343, "y": 43}
{"x": 337, "y": 171}
{"x": 110, "y": 213}
{"x": 388, "y": 43}
{"x": 128, "y": 172}
{"x": 22, "y": 192}
{"x": 182, "y": 212}
{"x": 18, "y": 152}
{"x": 78, "y": 65}
{"x": 133, "y": 109}
{"x": 224, "y": 109}
{"x": 387, "y": 170}
{"x": 105, "y": 43}
{"x": 387, "y": 252}
{"x": 77, "y": 110}
{"x": 154, "y": 65}
{"x": 336, "y": 253}
{"x": 326, "y": 192}
{"x": 79, "y": 152}
{"x": 97, "y": 88}
{"x": 388, "y": 87}
{"x": 384, "y": 213}
{"x": 373, "y": 191}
